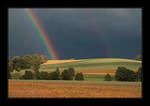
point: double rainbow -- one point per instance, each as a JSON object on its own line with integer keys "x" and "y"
{"x": 42, "y": 33}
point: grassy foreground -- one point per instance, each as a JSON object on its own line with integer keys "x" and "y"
{"x": 73, "y": 89}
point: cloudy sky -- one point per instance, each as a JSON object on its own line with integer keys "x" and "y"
{"x": 78, "y": 33}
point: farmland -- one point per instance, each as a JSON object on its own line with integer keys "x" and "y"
{"x": 93, "y": 86}
{"x": 95, "y": 66}
{"x": 73, "y": 89}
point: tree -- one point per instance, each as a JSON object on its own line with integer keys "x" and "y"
{"x": 35, "y": 62}
{"x": 67, "y": 75}
{"x": 108, "y": 77}
{"x": 139, "y": 58}
{"x": 28, "y": 75}
{"x": 16, "y": 63}
{"x": 124, "y": 74}
{"x": 72, "y": 71}
{"x": 42, "y": 75}
{"x": 139, "y": 74}
{"x": 27, "y": 61}
{"x": 54, "y": 76}
{"x": 43, "y": 59}
{"x": 79, "y": 76}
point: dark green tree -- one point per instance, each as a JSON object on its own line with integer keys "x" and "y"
{"x": 54, "y": 76}
{"x": 67, "y": 75}
{"x": 124, "y": 74}
{"x": 27, "y": 61}
{"x": 108, "y": 77}
{"x": 79, "y": 76}
{"x": 28, "y": 75}
{"x": 72, "y": 71}
{"x": 17, "y": 63}
{"x": 42, "y": 75}
{"x": 35, "y": 63}
{"x": 139, "y": 74}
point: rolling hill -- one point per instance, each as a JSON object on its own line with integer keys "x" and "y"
{"x": 92, "y": 65}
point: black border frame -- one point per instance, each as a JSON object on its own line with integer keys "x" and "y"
{"x": 62, "y": 4}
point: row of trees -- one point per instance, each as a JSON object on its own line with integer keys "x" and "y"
{"x": 124, "y": 74}
{"x": 26, "y": 62}
{"x": 67, "y": 74}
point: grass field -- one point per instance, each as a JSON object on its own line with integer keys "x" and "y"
{"x": 73, "y": 89}
{"x": 100, "y": 65}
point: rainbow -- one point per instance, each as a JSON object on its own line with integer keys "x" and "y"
{"x": 42, "y": 33}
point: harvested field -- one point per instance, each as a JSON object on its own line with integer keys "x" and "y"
{"x": 73, "y": 89}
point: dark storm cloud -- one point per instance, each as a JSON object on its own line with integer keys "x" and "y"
{"x": 79, "y": 33}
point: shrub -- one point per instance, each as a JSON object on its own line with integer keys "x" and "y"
{"x": 139, "y": 74}
{"x": 54, "y": 76}
{"x": 124, "y": 74}
{"x": 16, "y": 76}
{"x": 72, "y": 71}
{"x": 108, "y": 77}
{"x": 28, "y": 75}
{"x": 42, "y": 75}
{"x": 79, "y": 76}
{"x": 67, "y": 75}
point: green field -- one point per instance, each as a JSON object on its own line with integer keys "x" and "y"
{"x": 99, "y": 65}
{"x": 92, "y": 64}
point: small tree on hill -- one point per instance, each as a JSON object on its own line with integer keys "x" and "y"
{"x": 79, "y": 76}
{"x": 108, "y": 77}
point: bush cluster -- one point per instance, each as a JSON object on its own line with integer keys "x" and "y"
{"x": 108, "y": 77}
{"x": 124, "y": 74}
{"x": 79, "y": 76}
{"x": 67, "y": 74}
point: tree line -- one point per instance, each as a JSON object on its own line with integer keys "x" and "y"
{"x": 125, "y": 74}
{"x": 33, "y": 62}
{"x": 67, "y": 74}
{"x": 26, "y": 62}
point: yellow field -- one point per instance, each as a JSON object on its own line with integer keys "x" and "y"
{"x": 31, "y": 89}
{"x": 58, "y": 61}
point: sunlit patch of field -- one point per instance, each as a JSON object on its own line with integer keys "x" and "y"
{"x": 73, "y": 89}
{"x": 92, "y": 64}
{"x": 58, "y": 61}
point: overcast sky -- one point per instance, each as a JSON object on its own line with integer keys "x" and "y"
{"x": 78, "y": 33}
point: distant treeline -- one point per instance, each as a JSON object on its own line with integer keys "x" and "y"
{"x": 124, "y": 74}
{"x": 34, "y": 61}
{"x": 67, "y": 74}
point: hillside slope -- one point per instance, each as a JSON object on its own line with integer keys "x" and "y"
{"x": 93, "y": 64}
